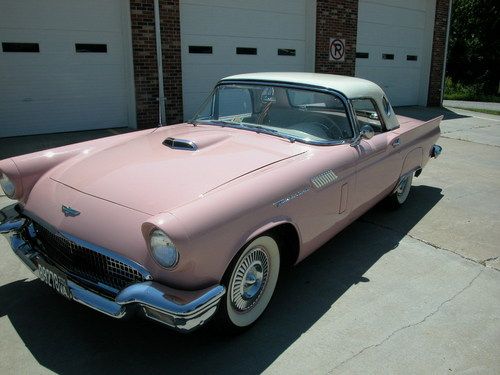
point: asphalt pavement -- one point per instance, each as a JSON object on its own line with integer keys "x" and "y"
{"x": 413, "y": 291}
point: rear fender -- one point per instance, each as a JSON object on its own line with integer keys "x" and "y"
{"x": 413, "y": 160}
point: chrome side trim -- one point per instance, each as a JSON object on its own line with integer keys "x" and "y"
{"x": 292, "y": 196}
{"x": 324, "y": 179}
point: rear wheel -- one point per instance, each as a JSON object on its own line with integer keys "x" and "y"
{"x": 251, "y": 280}
{"x": 400, "y": 195}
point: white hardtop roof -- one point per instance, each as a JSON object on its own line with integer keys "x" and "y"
{"x": 351, "y": 87}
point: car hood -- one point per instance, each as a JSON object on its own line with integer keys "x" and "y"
{"x": 150, "y": 177}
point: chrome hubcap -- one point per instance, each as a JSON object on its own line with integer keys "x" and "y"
{"x": 250, "y": 279}
{"x": 401, "y": 188}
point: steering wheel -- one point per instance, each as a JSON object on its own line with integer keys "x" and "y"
{"x": 327, "y": 124}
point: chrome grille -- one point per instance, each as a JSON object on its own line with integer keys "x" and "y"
{"x": 84, "y": 262}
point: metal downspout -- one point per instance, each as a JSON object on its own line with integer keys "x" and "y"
{"x": 159, "y": 63}
{"x": 446, "y": 51}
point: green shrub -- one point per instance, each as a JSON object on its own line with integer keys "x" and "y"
{"x": 472, "y": 92}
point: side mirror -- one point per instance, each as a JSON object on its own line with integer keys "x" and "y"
{"x": 366, "y": 132}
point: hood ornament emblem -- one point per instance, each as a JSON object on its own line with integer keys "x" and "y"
{"x": 68, "y": 211}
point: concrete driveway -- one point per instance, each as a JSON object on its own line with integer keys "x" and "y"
{"x": 411, "y": 291}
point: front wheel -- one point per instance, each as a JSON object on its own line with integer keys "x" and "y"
{"x": 252, "y": 279}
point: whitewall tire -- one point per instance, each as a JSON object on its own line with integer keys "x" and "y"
{"x": 251, "y": 282}
{"x": 400, "y": 195}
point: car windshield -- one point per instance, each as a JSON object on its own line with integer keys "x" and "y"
{"x": 297, "y": 114}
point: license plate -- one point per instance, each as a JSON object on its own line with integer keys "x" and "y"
{"x": 54, "y": 278}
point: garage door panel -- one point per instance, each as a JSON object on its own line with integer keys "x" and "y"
{"x": 393, "y": 36}
{"x": 46, "y": 116}
{"x": 391, "y": 15}
{"x": 400, "y": 84}
{"x": 277, "y": 6}
{"x": 259, "y": 24}
{"x": 69, "y": 81}
{"x": 225, "y": 25}
{"x": 55, "y": 44}
{"x": 204, "y": 81}
{"x": 53, "y": 85}
{"x": 224, "y": 48}
{"x": 400, "y": 57}
{"x": 399, "y": 28}
{"x": 408, "y": 4}
{"x": 61, "y": 15}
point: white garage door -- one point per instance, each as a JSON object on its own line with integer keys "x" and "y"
{"x": 394, "y": 45}
{"x": 64, "y": 66}
{"x": 225, "y": 37}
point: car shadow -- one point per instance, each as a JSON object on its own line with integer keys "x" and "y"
{"x": 68, "y": 338}
{"x": 427, "y": 113}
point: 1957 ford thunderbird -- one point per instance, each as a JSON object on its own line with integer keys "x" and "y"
{"x": 185, "y": 222}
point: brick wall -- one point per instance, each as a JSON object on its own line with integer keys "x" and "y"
{"x": 144, "y": 55}
{"x": 438, "y": 51}
{"x": 336, "y": 18}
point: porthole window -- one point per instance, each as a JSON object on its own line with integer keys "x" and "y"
{"x": 387, "y": 106}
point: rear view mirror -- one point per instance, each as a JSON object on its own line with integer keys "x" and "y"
{"x": 267, "y": 95}
{"x": 366, "y": 132}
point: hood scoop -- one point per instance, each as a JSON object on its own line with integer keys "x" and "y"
{"x": 180, "y": 144}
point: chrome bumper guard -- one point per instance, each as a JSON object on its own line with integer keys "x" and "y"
{"x": 181, "y": 310}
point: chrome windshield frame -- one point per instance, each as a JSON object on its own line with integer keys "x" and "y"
{"x": 299, "y": 86}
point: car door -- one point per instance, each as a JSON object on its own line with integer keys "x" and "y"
{"x": 379, "y": 158}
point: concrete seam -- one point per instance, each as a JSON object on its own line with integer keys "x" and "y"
{"x": 387, "y": 338}
{"x": 476, "y": 261}
{"x": 465, "y": 140}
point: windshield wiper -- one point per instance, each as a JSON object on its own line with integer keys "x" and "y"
{"x": 246, "y": 126}
{"x": 261, "y": 129}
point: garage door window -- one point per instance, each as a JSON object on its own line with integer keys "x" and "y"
{"x": 367, "y": 114}
{"x": 200, "y": 49}
{"x": 246, "y": 51}
{"x": 91, "y": 48}
{"x": 20, "y": 47}
{"x": 286, "y": 52}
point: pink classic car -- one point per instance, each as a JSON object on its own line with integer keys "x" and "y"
{"x": 195, "y": 220}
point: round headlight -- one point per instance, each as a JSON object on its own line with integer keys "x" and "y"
{"x": 7, "y": 186}
{"x": 163, "y": 249}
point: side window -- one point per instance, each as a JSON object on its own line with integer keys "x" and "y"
{"x": 234, "y": 101}
{"x": 367, "y": 114}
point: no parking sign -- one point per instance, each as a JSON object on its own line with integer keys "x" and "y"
{"x": 337, "y": 49}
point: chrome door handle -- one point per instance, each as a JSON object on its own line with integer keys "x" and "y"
{"x": 396, "y": 143}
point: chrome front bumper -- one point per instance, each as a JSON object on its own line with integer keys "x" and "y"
{"x": 181, "y": 310}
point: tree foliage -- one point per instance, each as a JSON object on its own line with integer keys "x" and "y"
{"x": 474, "y": 47}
